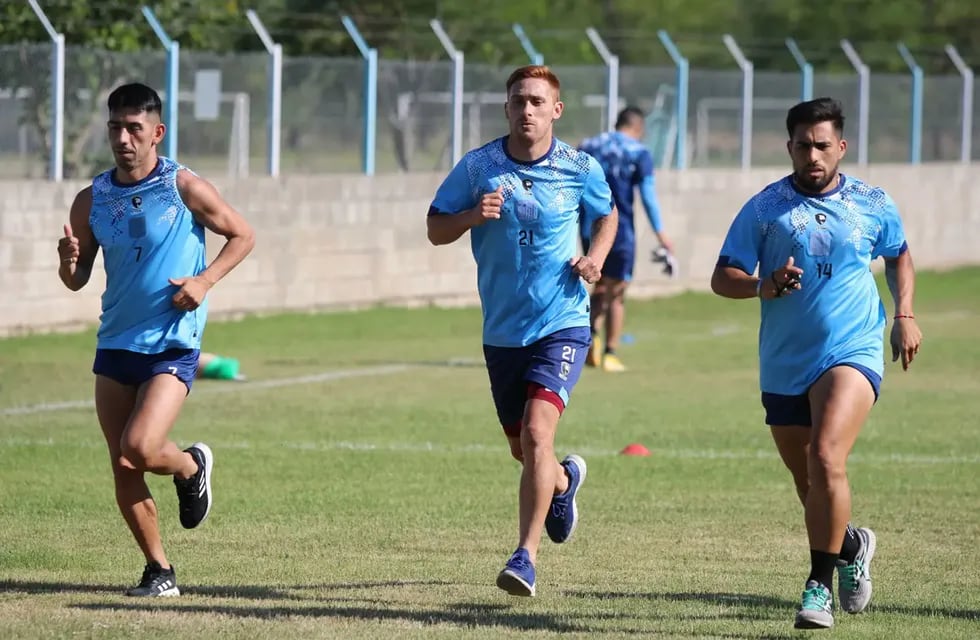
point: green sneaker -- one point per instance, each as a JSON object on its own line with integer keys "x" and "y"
{"x": 854, "y": 579}
{"x": 817, "y": 609}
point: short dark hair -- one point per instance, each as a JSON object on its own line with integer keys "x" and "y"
{"x": 135, "y": 97}
{"x": 628, "y": 116}
{"x": 814, "y": 112}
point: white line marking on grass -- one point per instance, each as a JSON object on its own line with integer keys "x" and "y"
{"x": 231, "y": 387}
{"x": 436, "y": 447}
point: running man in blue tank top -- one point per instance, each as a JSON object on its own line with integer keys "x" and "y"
{"x": 519, "y": 197}
{"x": 813, "y": 236}
{"x": 148, "y": 215}
{"x": 628, "y": 166}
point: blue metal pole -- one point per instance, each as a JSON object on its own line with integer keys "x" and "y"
{"x": 370, "y": 93}
{"x": 806, "y": 70}
{"x": 748, "y": 83}
{"x": 172, "y": 82}
{"x": 966, "y": 130}
{"x": 274, "y": 122}
{"x": 864, "y": 99}
{"x": 532, "y": 53}
{"x": 612, "y": 76}
{"x": 56, "y": 161}
{"x": 680, "y": 106}
{"x": 915, "y": 122}
{"x": 458, "y": 62}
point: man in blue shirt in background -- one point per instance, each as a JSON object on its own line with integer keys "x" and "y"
{"x": 813, "y": 236}
{"x": 628, "y": 165}
{"x": 519, "y": 197}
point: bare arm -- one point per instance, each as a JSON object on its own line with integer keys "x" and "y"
{"x": 445, "y": 229}
{"x": 732, "y": 282}
{"x": 906, "y": 335}
{"x": 78, "y": 247}
{"x": 603, "y": 236}
{"x": 211, "y": 210}
{"x": 900, "y": 276}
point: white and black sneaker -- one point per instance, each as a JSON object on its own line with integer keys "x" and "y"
{"x": 156, "y": 582}
{"x": 194, "y": 493}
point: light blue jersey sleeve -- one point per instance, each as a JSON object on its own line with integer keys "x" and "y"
{"x": 597, "y": 200}
{"x": 891, "y": 241}
{"x": 456, "y": 193}
{"x": 742, "y": 244}
{"x": 648, "y": 193}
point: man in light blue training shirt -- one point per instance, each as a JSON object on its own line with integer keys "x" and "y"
{"x": 519, "y": 197}
{"x": 628, "y": 166}
{"x": 148, "y": 215}
{"x": 813, "y": 236}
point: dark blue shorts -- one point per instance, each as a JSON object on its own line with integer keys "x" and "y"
{"x": 555, "y": 362}
{"x": 133, "y": 369}
{"x": 786, "y": 411}
{"x": 619, "y": 263}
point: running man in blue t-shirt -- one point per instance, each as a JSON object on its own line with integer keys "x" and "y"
{"x": 628, "y": 166}
{"x": 813, "y": 236}
{"x": 148, "y": 215}
{"x": 519, "y": 197}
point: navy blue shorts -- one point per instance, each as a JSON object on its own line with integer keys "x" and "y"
{"x": 555, "y": 362}
{"x": 786, "y": 411}
{"x": 133, "y": 369}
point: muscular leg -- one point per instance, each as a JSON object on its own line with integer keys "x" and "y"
{"x": 793, "y": 444}
{"x": 616, "y": 312}
{"x": 599, "y": 303}
{"x": 542, "y": 476}
{"x": 119, "y": 407}
{"x": 840, "y": 402}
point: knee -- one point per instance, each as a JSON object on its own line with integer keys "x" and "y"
{"x": 825, "y": 465}
{"x": 137, "y": 453}
{"x": 536, "y": 437}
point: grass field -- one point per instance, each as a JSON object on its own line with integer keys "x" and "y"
{"x": 364, "y": 490}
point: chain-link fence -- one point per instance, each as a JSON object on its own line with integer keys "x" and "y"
{"x": 323, "y": 111}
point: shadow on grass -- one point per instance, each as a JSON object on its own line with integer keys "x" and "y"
{"x": 251, "y": 592}
{"x": 778, "y": 605}
{"x": 464, "y": 615}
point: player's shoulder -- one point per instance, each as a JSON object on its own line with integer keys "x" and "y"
{"x": 774, "y": 194}
{"x": 875, "y": 196}
{"x": 577, "y": 160}
{"x": 490, "y": 151}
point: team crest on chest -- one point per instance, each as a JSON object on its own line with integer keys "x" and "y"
{"x": 527, "y": 210}
{"x": 821, "y": 218}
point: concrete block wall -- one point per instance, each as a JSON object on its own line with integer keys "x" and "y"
{"x": 342, "y": 241}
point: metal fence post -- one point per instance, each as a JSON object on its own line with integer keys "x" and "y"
{"x": 612, "y": 77}
{"x": 680, "y": 105}
{"x": 748, "y": 78}
{"x": 57, "y": 159}
{"x": 966, "y": 130}
{"x": 532, "y": 53}
{"x": 370, "y": 94}
{"x": 806, "y": 70}
{"x": 172, "y": 82}
{"x": 458, "y": 62}
{"x": 915, "y": 121}
{"x": 864, "y": 99}
{"x": 274, "y": 118}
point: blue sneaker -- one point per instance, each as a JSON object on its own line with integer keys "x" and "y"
{"x": 517, "y": 578}
{"x": 563, "y": 513}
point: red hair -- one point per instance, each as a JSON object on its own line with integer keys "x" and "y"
{"x": 534, "y": 71}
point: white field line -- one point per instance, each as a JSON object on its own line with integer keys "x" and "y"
{"x": 231, "y": 387}
{"x": 326, "y": 446}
